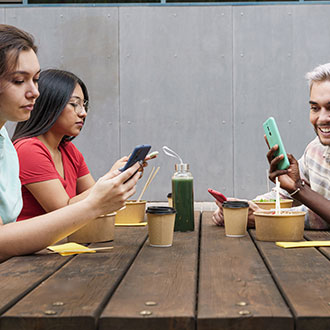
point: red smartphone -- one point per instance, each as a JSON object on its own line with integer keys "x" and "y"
{"x": 217, "y": 195}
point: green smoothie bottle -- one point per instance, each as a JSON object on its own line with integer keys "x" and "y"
{"x": 183, "y": 198}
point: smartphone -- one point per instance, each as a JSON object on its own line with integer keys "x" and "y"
{"x": 139, "y": 154}
{"x": 217, "y": 195}
{"x": 273, "y": 137}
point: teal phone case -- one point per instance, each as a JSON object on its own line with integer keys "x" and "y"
{"x": 274, "y": 137}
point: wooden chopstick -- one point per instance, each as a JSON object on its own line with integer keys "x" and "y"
{"x": 82, "y": 250}
{"x": 150, "y": 178}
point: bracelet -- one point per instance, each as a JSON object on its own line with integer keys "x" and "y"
{"x": 298, "y": 189}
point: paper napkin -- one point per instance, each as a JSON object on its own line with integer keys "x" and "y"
{"x": 287, "y": 245}
{"x": 70, "y": 248}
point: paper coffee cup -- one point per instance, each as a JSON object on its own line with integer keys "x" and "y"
{"x": 160, "y": 225}
{"x": 235, "y": 215}
{"x": 169, "y": 199}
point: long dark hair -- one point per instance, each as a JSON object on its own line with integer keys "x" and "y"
{"x": 12, "y": 42}
{"x": 56, "y": 88}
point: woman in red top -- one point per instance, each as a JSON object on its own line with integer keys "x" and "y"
{"x": 53, "y": 172}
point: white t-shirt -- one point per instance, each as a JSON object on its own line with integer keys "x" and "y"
{"x": 10, "y": 185}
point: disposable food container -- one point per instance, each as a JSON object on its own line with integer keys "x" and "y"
{"x": 285, "y": 227}
{"x": 134, "y": 212}
{"x": 101, "y": 229}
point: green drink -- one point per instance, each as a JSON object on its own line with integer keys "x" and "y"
{"x": 183, "y": 198}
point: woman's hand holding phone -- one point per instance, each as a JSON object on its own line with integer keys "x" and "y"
{"x": 112, "y": 190}
{"x": 139, "y": 154}
{"x": 119, "y": 163}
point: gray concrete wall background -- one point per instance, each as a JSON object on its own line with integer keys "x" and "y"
{"x": 200, "y": 80}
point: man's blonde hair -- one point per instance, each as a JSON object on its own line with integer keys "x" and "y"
{"x": 320, "y": 73}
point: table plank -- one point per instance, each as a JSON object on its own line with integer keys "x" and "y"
{"x": 313, "y": 235}
{"x": 303, "y": 276}
{"x": 232, "y": 272}
{"x": 20, "y": 275}
{"x": 79, "y": 290}
{"x": 167, "y": 276}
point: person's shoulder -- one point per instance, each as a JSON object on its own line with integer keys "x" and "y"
{"x": 27, "y": 141}
{"x": 3, "y": 132}
{"x": 29, "y": 144}
{"x": 315, "y": 146}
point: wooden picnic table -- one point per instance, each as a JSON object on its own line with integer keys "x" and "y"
{"x": 204, "y": 281}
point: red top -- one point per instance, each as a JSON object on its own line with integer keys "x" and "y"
{"x": 36, "y": 164}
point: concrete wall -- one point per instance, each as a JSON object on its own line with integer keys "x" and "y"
{"x": 200, "y": 80}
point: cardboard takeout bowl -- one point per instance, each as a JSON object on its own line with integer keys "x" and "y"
{"x": 134, "y": 212}
{"x": 285, "y": 227}
{"x": 101, "y": 229}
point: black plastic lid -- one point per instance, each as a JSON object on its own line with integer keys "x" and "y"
{"x": 169, "y": 195}
{"x": 160, "y": 210}
{"x": 235, "y": 204}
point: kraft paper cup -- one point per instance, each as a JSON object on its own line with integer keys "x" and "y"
{"x": 284, "y": 227}
{"x": 169, "y": 199}
{"x": 101, "y": 229}
{"x": 133, "y": 212}
{"x": 160, "y": 225}
{"x": 268, "y": 205}
{"x": 235, "y": 216}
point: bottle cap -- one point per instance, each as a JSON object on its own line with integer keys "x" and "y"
{"x": 181, "y": 167}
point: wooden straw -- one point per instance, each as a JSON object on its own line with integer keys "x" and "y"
{"x": 146, "y": 184}
{"x": 82, "y": 250}
{"x": 150, "y": 178}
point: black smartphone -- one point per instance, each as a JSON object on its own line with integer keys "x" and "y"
{"x": 139, "y": 154}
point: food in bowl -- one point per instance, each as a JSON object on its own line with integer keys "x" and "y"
{"x": 269, "y": 204}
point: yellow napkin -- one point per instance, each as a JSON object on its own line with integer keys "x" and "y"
{"x": 70, "y": 248}
{"x": 138, "y": 224}
{"x": 287, "y": 245}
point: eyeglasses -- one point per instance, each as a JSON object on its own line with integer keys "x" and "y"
{"x": 79, "y": 106}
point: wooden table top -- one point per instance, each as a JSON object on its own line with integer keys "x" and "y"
{"x": 204, "y": 281}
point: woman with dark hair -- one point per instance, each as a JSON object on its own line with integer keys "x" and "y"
{"x": 53, "y": 172}
{"x": 55, "y": 88}
{"x": 19, "y": 74}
